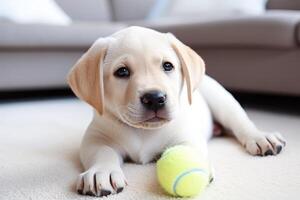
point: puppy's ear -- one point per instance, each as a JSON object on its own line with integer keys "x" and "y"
{"x": 86, "y": 76}
{"x": 193, "y": 67}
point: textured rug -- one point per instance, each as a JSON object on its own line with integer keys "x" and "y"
{"x": 39, "y": 142}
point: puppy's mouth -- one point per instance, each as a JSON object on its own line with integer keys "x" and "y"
{"x": 153, "y": 122}
{"x": 155, "y": 119}
{"x": 148, "y": 120}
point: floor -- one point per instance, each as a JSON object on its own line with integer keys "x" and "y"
{"x": 39, "y": 143}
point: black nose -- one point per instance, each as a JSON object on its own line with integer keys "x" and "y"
{"x": 154, "y": 100}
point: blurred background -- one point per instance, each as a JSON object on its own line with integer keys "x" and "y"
{"x": 250, "y": 46}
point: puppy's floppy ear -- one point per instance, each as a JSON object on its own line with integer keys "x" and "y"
{"x": 193, "y": 67}
{"x": 86, "y": 76}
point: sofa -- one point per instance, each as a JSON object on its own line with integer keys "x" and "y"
{"x": 248, "y": 53}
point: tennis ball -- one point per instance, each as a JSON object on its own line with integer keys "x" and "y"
{"x": 182, "y": 172}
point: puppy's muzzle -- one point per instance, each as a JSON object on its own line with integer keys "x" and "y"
{"x": 154, "y": 100}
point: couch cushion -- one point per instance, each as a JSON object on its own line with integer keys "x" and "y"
{"x": 87, "y": 10}
{"x": 45, "y": 36}
{"x": 131, "y": 9}
{"x": 273, "y": 29}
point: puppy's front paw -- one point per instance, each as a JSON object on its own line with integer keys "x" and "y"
{"x": 100, "y": 183}
{"x": 264, "y": 144}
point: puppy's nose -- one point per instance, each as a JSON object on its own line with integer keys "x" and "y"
{"x": 154, "y": 100}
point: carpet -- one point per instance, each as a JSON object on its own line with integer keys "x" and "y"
{"x": 39, "y": 142}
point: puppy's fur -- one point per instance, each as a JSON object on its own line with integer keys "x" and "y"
{"x": 123, "y": 128}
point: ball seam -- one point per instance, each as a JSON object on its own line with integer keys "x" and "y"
{"x": 184, "y": 174}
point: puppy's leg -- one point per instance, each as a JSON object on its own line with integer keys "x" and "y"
{"x": 103, "y": 175}
{"x": 200, "y": 146}
{"x": 228, "y": 112}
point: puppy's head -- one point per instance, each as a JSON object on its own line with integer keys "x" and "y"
{"x": 137, "y": 75}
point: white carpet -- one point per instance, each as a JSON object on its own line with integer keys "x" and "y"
{"x": 39, "y": 157}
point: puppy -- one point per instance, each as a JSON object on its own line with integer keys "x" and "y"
{"x": 149, "y": 92}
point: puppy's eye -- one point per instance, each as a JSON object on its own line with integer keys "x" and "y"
{"x": 168, "y": 66}
{"x": 122, "y": 72}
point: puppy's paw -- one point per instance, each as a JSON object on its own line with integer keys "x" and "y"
{"x": 212, "y": 174}
{"x": 264, "y": 144}
{"x": 100, "y": 183}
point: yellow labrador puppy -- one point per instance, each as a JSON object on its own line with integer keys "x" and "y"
{"x": 149, "y": 92}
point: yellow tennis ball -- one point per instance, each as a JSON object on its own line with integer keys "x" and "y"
{"x": 182, "y": 172}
